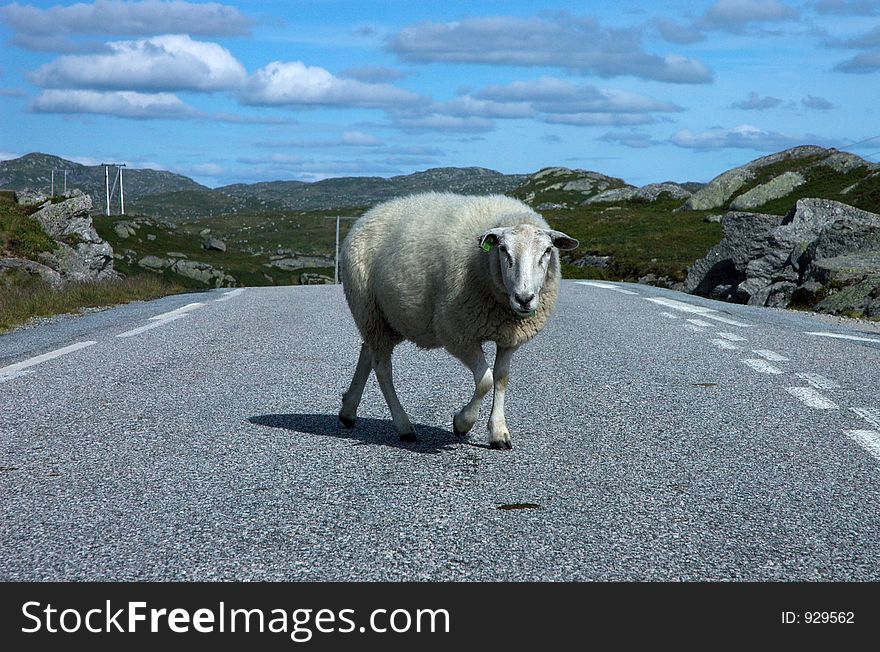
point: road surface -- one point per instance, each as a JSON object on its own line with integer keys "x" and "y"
{"x": 657, "y": 436}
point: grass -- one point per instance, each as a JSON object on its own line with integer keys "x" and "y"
{"x": 21, "y": 236}
{"x": 23, "y": 297}
{"x": 640, "y": 238}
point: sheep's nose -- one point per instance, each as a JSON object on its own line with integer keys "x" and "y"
{"x": 524, "y": 299}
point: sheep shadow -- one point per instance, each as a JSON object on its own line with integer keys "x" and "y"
{"x": 367, "y": 431}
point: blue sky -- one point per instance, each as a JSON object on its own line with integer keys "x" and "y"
{"x": 229, "y": 92}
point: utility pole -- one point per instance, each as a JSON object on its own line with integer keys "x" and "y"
{"x": 107, "y": 189}
{"x": 52, "y": 186}
{"x": 336, "y": 257}
{"x": 65, "y": 182}
{"x": 121, "y": 193}
{"x": 108, "y": 192}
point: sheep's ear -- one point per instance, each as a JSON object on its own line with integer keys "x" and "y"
{"x": 561, "y": 240}
{"x": 490, "y": 238}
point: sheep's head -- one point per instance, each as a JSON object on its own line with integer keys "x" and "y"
{"x": 520, "y": 258}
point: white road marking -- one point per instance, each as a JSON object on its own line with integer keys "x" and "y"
{"x": 696, "y": 329}
{"x": 772, "y": 356}
{"x": 188, "y": 307}
{"x": 607, "y": 286}
{"x": 669, "y": 314}
{"x": 14, "y": 374}
{"x": 819, "y": 381}
{"x": 762, "y": 366}
{"x": 700, "y": 322}
{"x": 706, "y": 313}
{"x": 228, "y": 295}
{"x": 871, "y": 415}
{"x": 733, "y": 337}
{"x": 155, "y": 324}
{"x": 812, "y": 398}
{"x": 30, "y": 362}
{"x": 867, "y": 439}
{"x": 841, "y": 336}
{"x": 724, "y": 344}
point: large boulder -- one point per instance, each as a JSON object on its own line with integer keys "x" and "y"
{"x": 34, "y": 268}
{"x": 81, "y": 254}
{"x": 817, "y": 249}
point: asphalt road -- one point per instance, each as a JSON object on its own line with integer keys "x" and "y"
{"x": 204, "y": 445}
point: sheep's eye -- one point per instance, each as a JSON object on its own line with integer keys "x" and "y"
{"x": 549, "y": 249}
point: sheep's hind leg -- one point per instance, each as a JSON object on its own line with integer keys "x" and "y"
{"x": 467, "y": 416}
{"x": 352, "y": 398}
{"x": 499, "y": 436}
{"x": 382, "y": 366}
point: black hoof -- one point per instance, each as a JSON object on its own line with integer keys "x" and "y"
{"x": 456, "y": 431}
{"x": 345, "y": 421}
{"x": 501, "y": 445}
{"x": 408, "y": 437}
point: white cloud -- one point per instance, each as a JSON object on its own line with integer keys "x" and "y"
{"x": 561, "y": 40}
{"x": 373, "y": 74}
{"x": 631, "y": 138}
{"x": 351, "y": 138}
{"x": 739, "y": 137}
{"x": 440, "y": 122}
{"x": 863, "y": 62}
{"x": 818, "y": 103}
{"x": 124, "y": 104}
{"x": 677, "y": 33}
{"x": 6, "y": 156}
{"x": 600, "y": 119}
{"x": 162, "y": 63}
{"x": 293, "y": 83}
{"x": 755, "y": 102}
{"x": 146, "y": 17}
{"x": 849, "y": 7}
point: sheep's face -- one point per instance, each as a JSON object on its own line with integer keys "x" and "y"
{"x": 520, "y": 257}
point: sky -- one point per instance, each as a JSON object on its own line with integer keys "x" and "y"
{"x": 240, "y": 92}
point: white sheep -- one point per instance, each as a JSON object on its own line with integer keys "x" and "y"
{"x": 455, "y": 271}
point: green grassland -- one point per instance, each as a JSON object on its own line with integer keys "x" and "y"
{"x": 21, "y": 236}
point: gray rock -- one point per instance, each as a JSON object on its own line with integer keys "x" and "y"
{"x": 592, "y": 261}
{"x": 68, "y": 218}
{"x": 155, "y": 263}
{"x": 45, "y": 272}
{"x": 550, "y": 206}
{"x": 213, "y": 244}
{"x": 124, "y": 229}
{"x": 774, "y": 189}
{"x": 613, "y": 195}
{"x": 30, "y": 197}
{"x": 314, "y": 279}
{"x": 151, "y": 236}
{"x": 652, "y": 191}
{"x": 301, "y": 261}
{"x": 771, "y": 260}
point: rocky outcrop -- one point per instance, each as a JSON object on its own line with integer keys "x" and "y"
{"x": 194, "y": 269}
{"x": 34, "y": 268}
{"x": 819, "y": 249}
{"x": 81, "y": 254}
{"x": 213, "y": 244}
{"x": 648, "y": 193}
{"x": 774, "y": 189}
{"x": 300, "y": 261}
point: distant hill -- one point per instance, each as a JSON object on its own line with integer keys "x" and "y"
{"x": 34, "y": 171}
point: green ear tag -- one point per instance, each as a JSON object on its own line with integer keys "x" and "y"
{"x": 486, "y": 245}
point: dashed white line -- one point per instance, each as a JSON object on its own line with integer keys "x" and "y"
{"x": 818, "y": 381}
{"x": 724, "y": 344}
{"x": 607, "y": 286}
{"x": 705, "y": 313}
{"x": 871, "y": 415}
{"x": 696, "y": 329}
{"x": 733, "y": 337}
{"x": 812, "y": 398}
{"x": 772, "y": 356}
{"x": 841, "y": 336}
{"x": 867, "y": 439}
{"x": 669, "y": 314}
{"x": 228, "y": 295}
{"x": 30, "y": 362}
{"x": 15, "y": 374}
{"x": 762, "y": 366}
{"x": 700, "y": 322}
{"x": 155, "y": 324}
{"x": 179, "y": 311}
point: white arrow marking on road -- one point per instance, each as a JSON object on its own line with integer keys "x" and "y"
{"x": 819, "y": 381}
{"x": 178, "y": 311}
{"x": 841, "y": 336}
{"x": 30, "y": 362}
{"x": 812, "y": 398}
{"x": 155, "y": 324}
{"x": 762, "y": 366}
{"x": 772, "y": 356}
{"x": 607, "y": 286}
{"x": 867, "y": 439}
{"x": 699, "y": 310}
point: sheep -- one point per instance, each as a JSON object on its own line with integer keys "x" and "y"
{"x": 452, "y": 271}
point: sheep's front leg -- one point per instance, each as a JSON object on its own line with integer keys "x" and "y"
{"x": 352, "y": 398}
{"x": 382, "y": 367}
{"x": 474, "y": 360}
{"x": 499, "y": 436}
